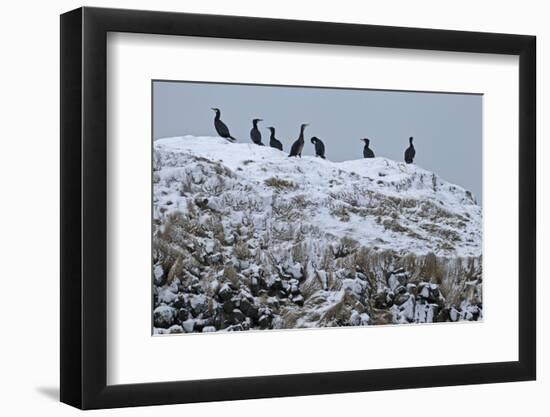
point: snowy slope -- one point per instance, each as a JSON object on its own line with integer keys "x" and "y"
{"x": 378, "y": 202}
{"x": 245, "y": 237}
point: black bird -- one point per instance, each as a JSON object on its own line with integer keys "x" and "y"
{"x": 273, "y": 142}
{"x": 319, "y": 147}
{"x": 367, "y": 152}
{"x": 221, "y": 127}
{"x": 298, "y": 145}
{"x": 255, "y": 134}
{"x": 410, "y": 152}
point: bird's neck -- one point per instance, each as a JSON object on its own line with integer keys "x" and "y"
{"x": 217, "y": 115}
{"x": 302, "y": 133}
{"x": 272, "y": 134}
{"x": 255, "y": 124}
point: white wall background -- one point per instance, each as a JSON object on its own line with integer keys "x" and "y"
{"x": 29, "y": 173}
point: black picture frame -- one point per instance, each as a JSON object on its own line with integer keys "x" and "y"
{"x": 84, "y": 207}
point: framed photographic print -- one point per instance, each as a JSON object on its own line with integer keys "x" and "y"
{"x": 258, "y": 208}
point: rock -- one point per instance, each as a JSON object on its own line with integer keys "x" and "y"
{"x": 254, "y": 286}
{"x": 264, "y": 321}
{"x": 166, "y": 296}
{"x": 228, "y": 306}
{"x": 159, "y": 276}
{"x": 277, "y": 322}
{"x": 164, "y": 316}
{"x": 174, "y": 286}
{"x": 298, "y": 300}
{"x": 176, "y": 328}
{"x": 294, "y": 286}
{"x": 407, "y": 308}
{"x": 188, "y": 325}
{"x": 380, "y": 317}
{"x": 253, "y": 311}
{"x": 295, "y": 270}
{"x": 454, "y": 315}
{"x": 245, "y": 305}
{"x": 428, "y": 292}
{"x": 361, "y": 276}
{"x": 237, "y": 316}
{"x": 412, "y": 289}
{"x": 425, "y": 313}
{"x": 443, "y": 316}
{"x": 197, "y": 289}
{"x": 356, "y": 286}
{"x": 355, "y": 319}
{"x": 208, "y": 329}
{"x": 180, "y": 301}
{"x": 273, "y": 303}
{"x": 225, "y": 292}
{"x": 397, "y": 280}
{"x": 201, "y": 324}
{"x": 276, "y": 285}
{"x": 383, "y": 299}
{"x": 401, "y": 298}
{"x": 380, "y": 300}
{"x": 476, "y": 312}
{"x": 198, "y": 303}
{"x": 217, "y": 258}
{"x": 201, "y": 203}
{"x": 183, "y": 314}
{"x": 209, "y": 247}
{"x": 400, "y": 290}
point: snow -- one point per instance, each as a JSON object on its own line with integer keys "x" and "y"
{"x": 378, "y": 202}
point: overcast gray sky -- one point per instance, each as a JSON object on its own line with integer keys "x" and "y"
{"x": 446, "y": 128}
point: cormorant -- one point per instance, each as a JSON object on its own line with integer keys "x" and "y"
{"x": 319, "y": 147}
{"x": 221, "y": 127}
{"x": 410, "y": 152}
{"x": 255, "y": 134}
{"x": 273, "y": 142}
{"x": 367, "y": 152}
{"x": 298, "y": 145}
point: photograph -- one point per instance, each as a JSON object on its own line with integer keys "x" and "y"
{"x": 294, "y": 207}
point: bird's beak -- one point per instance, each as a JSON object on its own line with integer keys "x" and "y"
{"x": 260, "y": 120}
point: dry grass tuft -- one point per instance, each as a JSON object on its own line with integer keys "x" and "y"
{"x": 279, "y": 183}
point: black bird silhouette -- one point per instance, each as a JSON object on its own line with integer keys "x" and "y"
{"x": 319, "y": 147}
{"x": 255, "y": 134}
{"x": 367, "y": 152}
{"x": 221, "y": 127}
{"x": 273, "y": 142}
{"x": 410, "y": 152}
{"x": 298, "y": 145}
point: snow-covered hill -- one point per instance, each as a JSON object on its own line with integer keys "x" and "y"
{"x": 378, "y": 202}
{"x": 294, "y": 238}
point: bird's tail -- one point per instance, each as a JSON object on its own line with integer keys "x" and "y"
{"x": 322, "y": 156}
{"x": 232, "y": 139}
